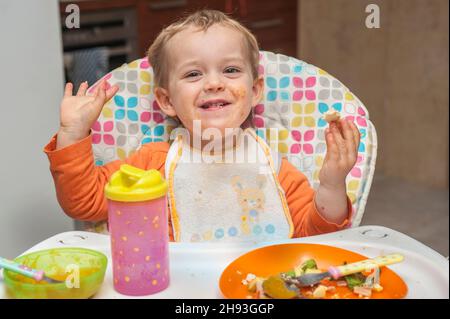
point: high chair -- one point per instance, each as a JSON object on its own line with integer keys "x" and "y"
{"x": 289, "y": 117}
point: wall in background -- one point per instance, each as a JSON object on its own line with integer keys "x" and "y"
{"x": 399, "y": 71}
{"x": 31, "y": 87}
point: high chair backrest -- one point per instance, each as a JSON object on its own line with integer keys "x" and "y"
{"x": 289, "y": 118}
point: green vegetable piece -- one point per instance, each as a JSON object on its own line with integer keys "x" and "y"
{"x": 309, "y": 264}
{"x": 355, "y": 280}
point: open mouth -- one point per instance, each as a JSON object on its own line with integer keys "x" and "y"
{"x": 214, "y": 105}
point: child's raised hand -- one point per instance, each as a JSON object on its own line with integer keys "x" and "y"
{"x": 342, "y": 138}
{"x": 79, "y": 112}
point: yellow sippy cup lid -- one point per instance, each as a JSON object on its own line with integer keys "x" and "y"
{"x": 131, "y": 184}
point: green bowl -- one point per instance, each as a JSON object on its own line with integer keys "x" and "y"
{"x": 86, "y": 265}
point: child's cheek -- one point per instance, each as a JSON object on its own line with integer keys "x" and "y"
{"x": 238, "y": 92}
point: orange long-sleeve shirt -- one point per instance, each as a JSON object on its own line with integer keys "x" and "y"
{"x": 80, "y": 185}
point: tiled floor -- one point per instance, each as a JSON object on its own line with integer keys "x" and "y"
{"x": 417, "y": 211}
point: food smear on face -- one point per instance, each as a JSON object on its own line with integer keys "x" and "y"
{"x": 238, "y": 92}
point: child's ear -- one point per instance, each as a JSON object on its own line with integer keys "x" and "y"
{"x": 258, "y": 90}
{"x": 163, "y": 99}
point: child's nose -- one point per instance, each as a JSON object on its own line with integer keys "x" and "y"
{"x": 214, "y": 83}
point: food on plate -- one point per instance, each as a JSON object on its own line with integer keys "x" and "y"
{"x": 286, "y": 286}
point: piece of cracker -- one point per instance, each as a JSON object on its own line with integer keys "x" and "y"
{"x": 331, "y": 116}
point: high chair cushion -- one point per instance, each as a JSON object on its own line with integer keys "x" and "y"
{"x": 289, "y": 118}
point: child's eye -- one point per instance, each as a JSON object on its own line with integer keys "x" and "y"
{"x": 232, "y": 70}
{"x": 192, "y": 74}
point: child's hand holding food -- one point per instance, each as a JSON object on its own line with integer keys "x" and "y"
{"x": 342, "y": 138}
{"x": 79, "y": 112}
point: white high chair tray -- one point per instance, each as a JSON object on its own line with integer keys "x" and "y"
{"x": 195, "y": 269}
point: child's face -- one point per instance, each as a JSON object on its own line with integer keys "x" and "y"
{"x": 208, "y": 66}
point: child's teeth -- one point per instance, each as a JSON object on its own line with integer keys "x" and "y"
{"x": 214, "y": 105}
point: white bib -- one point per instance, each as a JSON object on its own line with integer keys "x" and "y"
{"x": 231, "y": 198}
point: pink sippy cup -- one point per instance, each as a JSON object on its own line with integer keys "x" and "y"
{"x": 138, "y": 224}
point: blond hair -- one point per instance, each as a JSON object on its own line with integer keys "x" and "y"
{"x": 202, "y": 19}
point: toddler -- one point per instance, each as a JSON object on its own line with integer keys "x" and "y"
{"x": 206, "y": 75}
